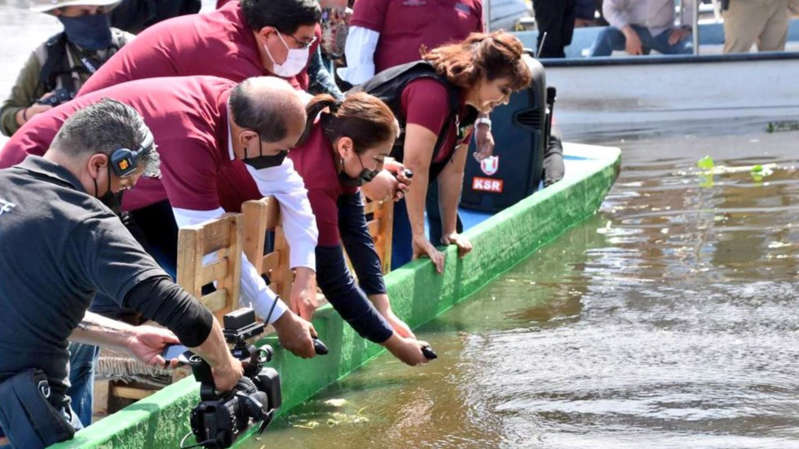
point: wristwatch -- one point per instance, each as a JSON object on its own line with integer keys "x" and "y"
{"x": 483, "y": 121}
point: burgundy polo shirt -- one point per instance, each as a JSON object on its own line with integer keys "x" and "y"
{"x": 314, "y": 161}
{"x": 425, "y": 102}
{"x": 218, "y": 43}
{"x": 188, "y": 118}
{"x": 406, "y": 25}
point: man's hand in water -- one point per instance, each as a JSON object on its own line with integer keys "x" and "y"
{"x": 295, "y": 334}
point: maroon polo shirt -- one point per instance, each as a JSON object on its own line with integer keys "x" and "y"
{"x": 406, "y": 25}
{"x": 188, "y": 118}
{"x": 425, "y": 102}
{"x": 314, "y": 161}
{"x": 218, "y": 43}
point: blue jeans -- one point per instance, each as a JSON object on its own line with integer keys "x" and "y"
{"x": 611, "y": 38}
{"x": 402, "y": 239}
{"x": 82, "y": 360}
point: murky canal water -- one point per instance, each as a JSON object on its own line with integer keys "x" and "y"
{"x": 667, "y": 320}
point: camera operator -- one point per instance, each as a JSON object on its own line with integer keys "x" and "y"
{"x": 59, "y": 245}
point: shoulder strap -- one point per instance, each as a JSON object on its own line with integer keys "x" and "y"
{"x": 54, "y": 61}
{"x": 388, "y": 86}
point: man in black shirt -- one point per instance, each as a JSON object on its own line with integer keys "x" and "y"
{"x": 60, "y": 243}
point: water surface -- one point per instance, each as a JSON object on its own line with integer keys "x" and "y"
{"x": 667, "y": 320}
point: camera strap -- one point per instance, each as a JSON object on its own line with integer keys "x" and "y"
{"x": 271, "y": 309}
{"x": 202, "y": 443}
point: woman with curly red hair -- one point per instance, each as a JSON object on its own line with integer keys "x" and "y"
{"x": 436, "y": 101}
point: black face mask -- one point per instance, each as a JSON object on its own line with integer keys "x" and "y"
{"x": 109, "y": 198}
{"x": 113, "y": 201}
{"x": 363, "y": 177}
{"x": 260, "y": 162}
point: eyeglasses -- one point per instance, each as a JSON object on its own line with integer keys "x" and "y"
{"x": 302, "y": 44}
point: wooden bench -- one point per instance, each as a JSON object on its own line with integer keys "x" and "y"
{"x": 261, "y": 216}
{"x": 220, "y": 239}
{"x": 380, "y": 219}
{"x": 265, "y": 214}
{"x": 225, "y": 238}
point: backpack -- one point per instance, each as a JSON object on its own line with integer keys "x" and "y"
{"x": 57, "y": 71}
{"x": 388, "y": 86}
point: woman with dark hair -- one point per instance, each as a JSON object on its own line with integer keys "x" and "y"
{"x": 341, "y": 149}
{"x": 436, "y": 101}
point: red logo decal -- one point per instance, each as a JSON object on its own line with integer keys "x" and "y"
{"x": 490, "y": 165}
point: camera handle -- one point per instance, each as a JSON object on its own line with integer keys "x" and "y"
{"x": 202, "y": 373}
{"x": 255, "y": 405}
{"x": 256, "y": 357}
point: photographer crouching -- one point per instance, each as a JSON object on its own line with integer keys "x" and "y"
{"x": 59, "y": 245}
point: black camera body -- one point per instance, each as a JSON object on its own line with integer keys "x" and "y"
{"x": 220, "y": 418}
{"x": 59, "y": 96}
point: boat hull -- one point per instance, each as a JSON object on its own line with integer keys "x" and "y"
{"x": 620, "y": 94}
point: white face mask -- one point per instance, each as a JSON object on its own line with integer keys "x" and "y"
{"x": 295, "y": 61}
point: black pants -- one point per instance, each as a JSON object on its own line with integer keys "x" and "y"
{"x": 556, "y": 19}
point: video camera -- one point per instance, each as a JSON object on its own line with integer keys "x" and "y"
{"x": 220, "y": 418}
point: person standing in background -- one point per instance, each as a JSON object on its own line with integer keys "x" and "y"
{"x": 555, "y": 21}
{"x": 386, "y": 33}
{"x": 761, "y": 22}
{"x": 57, "y": 69}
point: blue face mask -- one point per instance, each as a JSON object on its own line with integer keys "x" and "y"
{"x": 92, "y": 32}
